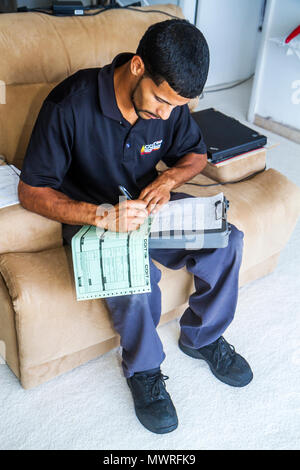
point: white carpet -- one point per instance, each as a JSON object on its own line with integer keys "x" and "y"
{"x": 91, "y": 406}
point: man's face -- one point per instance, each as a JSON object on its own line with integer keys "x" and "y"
{"x": 155, "y": 102}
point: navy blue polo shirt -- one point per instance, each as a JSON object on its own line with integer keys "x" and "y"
{"x": 82, "y": 145}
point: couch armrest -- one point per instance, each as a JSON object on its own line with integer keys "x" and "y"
{"x": 25, "y": 231}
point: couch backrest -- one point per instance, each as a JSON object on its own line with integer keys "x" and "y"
{"x": 37, "y": 51}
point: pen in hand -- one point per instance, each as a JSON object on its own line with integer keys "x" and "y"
{"x": 129, "y": 197}
{"x": 125, "y": 192}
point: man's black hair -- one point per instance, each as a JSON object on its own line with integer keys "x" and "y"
{"x": 176, "y": 51}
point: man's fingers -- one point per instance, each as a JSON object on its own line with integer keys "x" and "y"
{"x": 137, "y": 203}
{"x": 134, "y": 207}
{"x": 149, "y": 198}
{"x": 137, "y": 220}
{"x": 159, "y": 204}
{"x": 144, "y": 193}
{"x": 136, "y": 213}
{"x": 130, "y": 223}
{"x": 153, "y": 203}
{"x": 150, "y": 207}
{"x": 157, "y": 208}
{"x": 133, "y": 227}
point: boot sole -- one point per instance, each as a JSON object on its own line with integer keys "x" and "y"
{"x": 163, "y": 430}
{"x": 197, "y": 355}
{"x": 160, "y": 430}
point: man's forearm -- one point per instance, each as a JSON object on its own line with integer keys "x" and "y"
{"x": 57, "y": 206}
{"x": 188, "y": 166}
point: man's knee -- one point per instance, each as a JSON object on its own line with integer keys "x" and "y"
{"x": 155, "y": 272}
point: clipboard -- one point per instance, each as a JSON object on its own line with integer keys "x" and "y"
{"x": 196, "y": 239}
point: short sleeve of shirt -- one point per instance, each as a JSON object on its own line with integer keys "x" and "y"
{"x": 48, "y": 154}
{"x": 187, "y": 138}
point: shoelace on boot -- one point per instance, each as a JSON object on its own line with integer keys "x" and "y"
{"x": 223, "y": 354}
{"x": 155, "y": 383}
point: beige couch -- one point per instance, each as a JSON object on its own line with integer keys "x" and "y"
{"x": 45, "y": 330}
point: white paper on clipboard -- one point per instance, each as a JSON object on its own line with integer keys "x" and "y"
{"x": 9, "y": 180}
{"x": 195, "y": 213}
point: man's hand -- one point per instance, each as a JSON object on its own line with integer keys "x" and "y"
{"x": 123, "y": 217}
{"x": 155, "y": 195}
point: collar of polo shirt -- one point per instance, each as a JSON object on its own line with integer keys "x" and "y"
{"x": 107, "y": 96}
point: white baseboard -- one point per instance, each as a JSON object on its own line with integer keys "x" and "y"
{"x": 273, "y": 126}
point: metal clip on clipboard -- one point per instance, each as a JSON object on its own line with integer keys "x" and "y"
{"x": 218, "y": 238}
{"x": 221, "y": 238}
{"x": 221, "y": 208}
{"x": 207, "y": 238}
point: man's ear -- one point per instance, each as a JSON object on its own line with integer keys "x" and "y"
{"x": 137, "y": 66}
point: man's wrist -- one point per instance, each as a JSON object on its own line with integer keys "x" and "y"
{"x": 93, "y": 215}
{"x": 189, "y": 166}
{"x": 167, "y": 179}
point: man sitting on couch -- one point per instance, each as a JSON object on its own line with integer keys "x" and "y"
{"x": 105, "y": 127}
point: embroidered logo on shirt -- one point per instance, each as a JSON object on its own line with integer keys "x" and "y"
{"x": 148, "y": 148}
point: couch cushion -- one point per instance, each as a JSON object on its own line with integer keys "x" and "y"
{"x": 22, "y": 230}
{"x": 17, "y": 118}
{"x": 37, "y": 48}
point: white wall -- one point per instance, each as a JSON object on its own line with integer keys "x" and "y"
{"x": 188, "y": 9}
{"x": 276, "y": 89}
{"x": 231, "y": 30}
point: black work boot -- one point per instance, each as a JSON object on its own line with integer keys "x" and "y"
{"x": 152, "y": 403}
{"x": 224, "y": 362}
